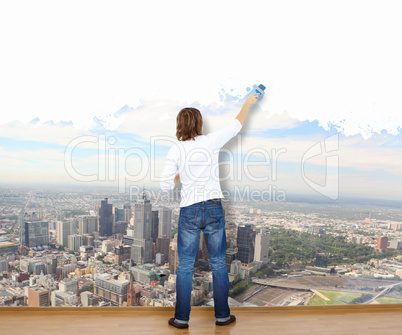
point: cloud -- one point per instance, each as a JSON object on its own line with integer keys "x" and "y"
{"x": 38, "y": 149}
{"x": 57, "y": 133}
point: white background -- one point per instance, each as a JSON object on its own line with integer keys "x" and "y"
{"x": 332, "y": 61}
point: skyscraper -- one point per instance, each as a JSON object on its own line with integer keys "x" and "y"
{"x": 3, "y": 265}
{"x": 120, "y": 227}
{"x": 142, "y": 217}
{"x": 142, "y": 247}
{"x": 231, "y": 255}
{"x": 87, "y": 224}
{"x": 165, "y": 222}
{"x": 51, "y": 264}
{"x": 262, "y": 245}
{"x": 173, "y": 257}
{"x": 119, "y": 214}
{"x": 87, "y": 240}
{"x": 155, "y": 225}
{"x": 128, "y": 213}
{"x": 21, "y": 225}
{"x": 64, "y": 228}
{"x": 162, "y": 246}
{"x": 74, "y": 242}
{"x": 36, "y": 233}
{"x": 106, "y": 218}
{"x": 245, "y": 243}
{"x": 27, "y": 216}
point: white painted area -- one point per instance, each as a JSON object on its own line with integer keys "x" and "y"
{"x": 337, "y": 62}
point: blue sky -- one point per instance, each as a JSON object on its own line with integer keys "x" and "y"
{"x": 36, "y": 151}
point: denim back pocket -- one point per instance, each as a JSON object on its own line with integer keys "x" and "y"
{"x": 216, "y": 217}
{"x": 187, "y": 218}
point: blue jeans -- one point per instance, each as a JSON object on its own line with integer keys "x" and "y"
{"x": 207, "y": 216}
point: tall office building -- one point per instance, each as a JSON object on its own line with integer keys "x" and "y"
{"x": 51, "y": 264}
{"x": 262, "y": 245}
{"x": 142, "y": 247}
{"x": 165, "y": 222}
{"x": 3, "y": 265}
{"x": 21, "y": 226}
{"x": 120, "y": 227}
{"x": 64, "y": 228}
{"x": 128, "y": 213}
{"x": 88, "y": 240}
{"x": 245, "y": 243}
{"x": 142, "y": 217}
{"x": 382, "y": 243}
{"x": 122, "y": 253}
{"x": 36, "y": 233}
{"x": 395, "y": 244}
{"x": 106, "y": 218}
{"x": 74, "y": 242}
{"x": 173, "y": 257}
{"x": 162, "y": 246}
{"x": 155, "y": 225}
{"x": 231, "y": 255}
{"x": 33, "y": 230}
{"x": 87, "y": 224}
{"x": 119, "y": 214}
{"x": 30, "y": 215}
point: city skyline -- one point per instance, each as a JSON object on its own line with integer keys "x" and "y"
{"x": 288, "y": 253}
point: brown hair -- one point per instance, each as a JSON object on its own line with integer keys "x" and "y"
{"x": 189, "y": 124}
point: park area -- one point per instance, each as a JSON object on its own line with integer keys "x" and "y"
{"x": 344, "y": 298}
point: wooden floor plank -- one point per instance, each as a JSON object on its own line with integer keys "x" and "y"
{"x": 249, "y": 321}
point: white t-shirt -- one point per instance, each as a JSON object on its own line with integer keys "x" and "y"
{"x": 196, "y": 161}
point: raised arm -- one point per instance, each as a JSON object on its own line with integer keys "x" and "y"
{"x": 246, "y": 106}
{"x": 221, "y": 136}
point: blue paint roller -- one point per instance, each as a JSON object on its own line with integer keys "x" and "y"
{"x": 260, "y": 89}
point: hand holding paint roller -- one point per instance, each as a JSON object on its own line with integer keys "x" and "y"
{"x": 256, "y": 95}
{"x": 251, "y": 100}
{"x": 260, "y": 89}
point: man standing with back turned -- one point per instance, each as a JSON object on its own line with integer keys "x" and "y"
{"x": 194, "y": 160}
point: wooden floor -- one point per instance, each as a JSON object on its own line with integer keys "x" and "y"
{"x": 311, "y": 320}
